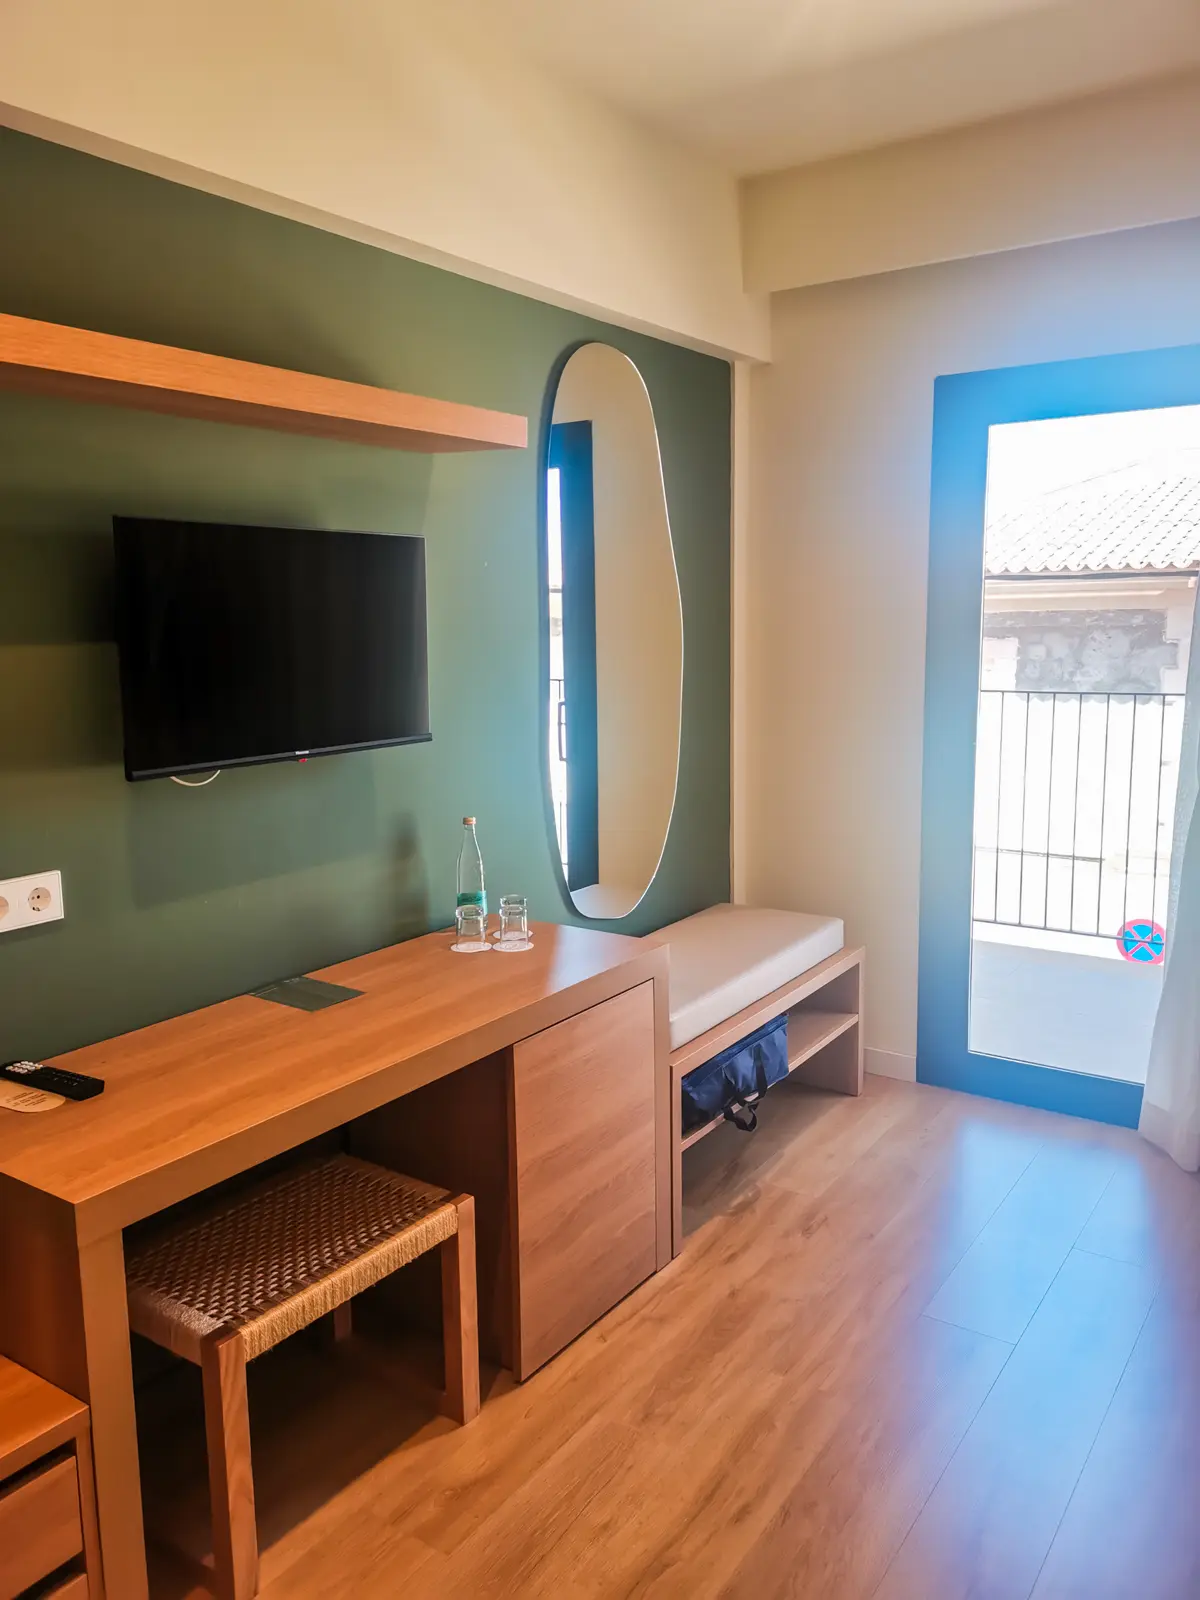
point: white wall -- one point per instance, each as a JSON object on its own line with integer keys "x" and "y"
{"x": 837, "y": 553}
{"x": 1120, "y": 160}
{"x": 385, "y": 120}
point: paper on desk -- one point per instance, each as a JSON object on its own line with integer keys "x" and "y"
{"x": 14, "y": 1098}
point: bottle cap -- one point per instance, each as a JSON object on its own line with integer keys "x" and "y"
{"x": 468, "y": 822}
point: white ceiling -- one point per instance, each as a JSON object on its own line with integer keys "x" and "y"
{"x": 768, "y": 83}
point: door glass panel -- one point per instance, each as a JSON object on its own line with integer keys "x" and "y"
{"x": 1091, "y": 550}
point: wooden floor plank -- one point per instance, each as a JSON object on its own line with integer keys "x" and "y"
{"x": 985, "y": 1530}
{"x": 1132, "y": 1528}
{"x": 1147, "y": 1213}
{"x": 773, "y": 1415}
{"x": 999, "y": 1284}
{"x": 887, "y": 1453}
{"x": 836, "y": 1132}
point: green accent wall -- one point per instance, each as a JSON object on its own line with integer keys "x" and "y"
{"x": 176, "y": 897}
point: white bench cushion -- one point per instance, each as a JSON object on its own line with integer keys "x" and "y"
{"x": 725, "y": 958}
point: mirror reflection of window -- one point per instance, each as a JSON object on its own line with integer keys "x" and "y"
{"x": 557, "y": 722}
{"x": 570, "y": 460}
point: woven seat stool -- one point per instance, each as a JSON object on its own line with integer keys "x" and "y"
{"x": 229, "y": 1286}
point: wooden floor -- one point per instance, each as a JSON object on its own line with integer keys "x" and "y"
{"x": 920, "y": 1347}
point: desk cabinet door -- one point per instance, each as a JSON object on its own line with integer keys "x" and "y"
{"x": 582, "y": 1119}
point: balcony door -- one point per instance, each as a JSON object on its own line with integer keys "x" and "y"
{"x": 1065, "y": 544}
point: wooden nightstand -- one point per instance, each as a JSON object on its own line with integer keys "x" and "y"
{"x": 48, "y": 1542}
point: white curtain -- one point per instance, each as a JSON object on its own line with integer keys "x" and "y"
{"x": 1171, "y": 1107}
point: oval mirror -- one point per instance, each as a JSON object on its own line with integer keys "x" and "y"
{"x": 616, "y": 634}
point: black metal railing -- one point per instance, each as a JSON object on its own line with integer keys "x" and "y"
{"x": 1074, "y": 808}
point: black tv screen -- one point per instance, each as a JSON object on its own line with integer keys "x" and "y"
{"x": 243, "y": 645}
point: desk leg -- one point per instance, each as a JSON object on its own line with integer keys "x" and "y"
{"x": 63, "y": 1315}
{"x": 676, "y": 1160}
{"x": 114, "y": 1430}
{"x": 667, "y": 1158}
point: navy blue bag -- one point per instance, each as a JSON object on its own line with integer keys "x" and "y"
{"x": 744, "y": 1072}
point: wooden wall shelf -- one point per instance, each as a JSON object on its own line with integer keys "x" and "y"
{"x": 47, "y": 358}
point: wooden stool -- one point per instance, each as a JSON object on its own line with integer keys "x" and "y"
{"x": 221, "y": 1290}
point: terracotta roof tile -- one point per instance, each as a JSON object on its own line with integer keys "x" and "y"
{"x": 1133, "y": 520}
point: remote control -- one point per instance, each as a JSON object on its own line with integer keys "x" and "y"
{"x": 33, "y": 1075}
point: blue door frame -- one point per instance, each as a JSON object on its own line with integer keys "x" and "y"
{"x": 966, "y": 405}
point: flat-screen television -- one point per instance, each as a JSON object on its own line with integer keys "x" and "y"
{"x": 242, "y": 645}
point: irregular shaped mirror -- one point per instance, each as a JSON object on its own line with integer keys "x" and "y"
{"x": 616, "y": 634}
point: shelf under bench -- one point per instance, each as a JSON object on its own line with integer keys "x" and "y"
{"x": 824, "y": 1010}
{"x": 808, "y": 1032}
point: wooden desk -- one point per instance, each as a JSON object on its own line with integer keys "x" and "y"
{"x": 577, "y": 1033}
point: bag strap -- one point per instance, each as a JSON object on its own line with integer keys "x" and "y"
{"x": 740, "y": 1112}
{"x": 743, "y": 1116}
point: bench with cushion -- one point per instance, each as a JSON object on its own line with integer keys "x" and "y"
{"x": 733, "y": 968}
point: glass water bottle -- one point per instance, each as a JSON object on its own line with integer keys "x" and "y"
{"x": 471, "y": 891}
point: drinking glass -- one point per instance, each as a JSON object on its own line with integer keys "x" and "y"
{"x": 470, "y": 929}
{"x": 514, "y": 924}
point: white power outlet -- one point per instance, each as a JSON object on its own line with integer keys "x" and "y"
{"x": 25, "y": 902}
